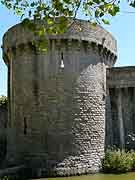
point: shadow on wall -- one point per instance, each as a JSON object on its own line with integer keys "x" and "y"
{"x": 3, "y": 126}
{"x": 120, "y": 109}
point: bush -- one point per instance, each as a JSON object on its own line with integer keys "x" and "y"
{"x": 3, "y": 101}
{"x": 118, "y": 161}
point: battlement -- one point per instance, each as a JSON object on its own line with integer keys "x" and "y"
{"x": 121, "y": 77}
{"x": 96, "y": 36}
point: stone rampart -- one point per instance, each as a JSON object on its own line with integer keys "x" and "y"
{"x": 121, "y": 112}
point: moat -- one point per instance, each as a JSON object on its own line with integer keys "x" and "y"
{"x": 127, "y": 176}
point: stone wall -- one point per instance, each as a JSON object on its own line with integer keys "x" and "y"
{"x": 58, "y": 127}
{"x": 121, "y": 112}
{"x": 3, "y": 126}
{"x": 58, "y": 101}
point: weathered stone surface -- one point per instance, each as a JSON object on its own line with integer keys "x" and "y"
{"x": 121, "y": 112}
{"x": 3, "y": 126}
{"x": 57, "y": 115}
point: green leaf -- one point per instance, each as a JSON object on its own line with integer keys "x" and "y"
{"x": 108, "y": 6}
{"x": 105, "y": 21}
{"x": 101, "y": 14}
{"x": 97, "y": 12}
{"x": 132, "y": 4}
{"x": 114, "y": 10}
{"x": 32, "y": 4}
{"x": 50, "y": 21}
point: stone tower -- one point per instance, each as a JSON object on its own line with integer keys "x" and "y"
{"x": 57, "y": 99}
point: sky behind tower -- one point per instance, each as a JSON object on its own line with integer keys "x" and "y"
{"x": 122, "y": 27}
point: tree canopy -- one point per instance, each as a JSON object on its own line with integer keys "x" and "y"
{"x": 94, "y": 10}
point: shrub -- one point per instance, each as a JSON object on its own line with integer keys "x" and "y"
{"x": 3, "y": 101}
{"x": 118, "y": 161}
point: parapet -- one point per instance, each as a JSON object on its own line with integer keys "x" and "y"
{"x": 120, "y": 77}
{"x": 97, "y": 36}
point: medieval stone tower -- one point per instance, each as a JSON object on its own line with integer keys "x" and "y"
{"x": 57, "y": 99}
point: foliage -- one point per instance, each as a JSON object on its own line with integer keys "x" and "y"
{"x": 5, "y": 178}
{"x": 95, "y": 11}
{"x": 48, "y": 10}
{"x": 3, "y": 101}
{"x": 118, "y": 161}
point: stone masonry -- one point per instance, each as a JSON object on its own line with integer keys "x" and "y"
{"x": 120, "y": 114}
{"x": 67, "y": 105}
{"x": 3, "y": 127}
{"x": 57, "y": 99}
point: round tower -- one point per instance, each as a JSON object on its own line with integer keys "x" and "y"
{"x": 57, "y": 99}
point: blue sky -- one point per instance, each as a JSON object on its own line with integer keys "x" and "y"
{"x": 122, "y": 27}
{"x": 7, "y": 19}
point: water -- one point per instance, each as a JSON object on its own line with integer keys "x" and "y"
{"x": 128, "y": 176}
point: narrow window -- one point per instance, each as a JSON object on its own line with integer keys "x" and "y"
{"x": 62, "y": 61}
{"x": 62, "y": 56}
{"x": 25, "y": 126}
